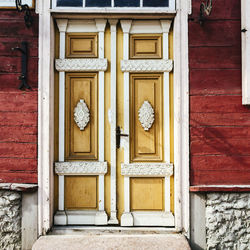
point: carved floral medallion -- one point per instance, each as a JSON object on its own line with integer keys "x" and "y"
{"x": 146, "y": 115}
{"x": 81, "y": 114}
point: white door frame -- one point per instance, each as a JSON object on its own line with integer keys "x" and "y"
{"x": 46, "y": 116}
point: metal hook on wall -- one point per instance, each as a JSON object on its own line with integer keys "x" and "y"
{"x": 205, "y": 10}
{"x": 23, "y": 76}
{"x": 27, "y": 17}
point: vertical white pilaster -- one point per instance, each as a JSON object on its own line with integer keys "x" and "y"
{"x": 45, "y": 117}
{"x": 100, "y": 25}
{"x": 127, "y": 218}
{"x": 62, "y": 26}
{"x": 101, "y": 216}
{"x": 165, "y": 24}
{"x": 113, "y": 214}
{"x": 126, "y": 24}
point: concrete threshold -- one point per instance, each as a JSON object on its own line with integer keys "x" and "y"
{"x": 111, "y": 238}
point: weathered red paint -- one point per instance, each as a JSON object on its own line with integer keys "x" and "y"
{"x": 219, "y": 123}
{"x": 215, "y": 82}
{"x": 18, "y": 109}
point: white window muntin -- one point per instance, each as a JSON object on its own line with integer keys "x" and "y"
{"x": 169, "y": 9}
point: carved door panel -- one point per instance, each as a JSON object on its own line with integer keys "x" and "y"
{"x": 146, "y": 167}
{"x": 114, "y": 74}
{"x": 81, "y": 166}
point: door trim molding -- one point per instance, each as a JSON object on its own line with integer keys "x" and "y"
{"x": 147, "y": 169}
{"x": 146, "y": 65}
{"x": 181, "y": 116}
{"x": 46, "y": 116}
{"x": 81, "y": 65}
{"x": 81, "y": 168}
{"x": 112, "y": 111}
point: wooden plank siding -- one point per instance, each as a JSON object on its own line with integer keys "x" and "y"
{"x": 18, "y": 109}
{"x": 219, "y": 123}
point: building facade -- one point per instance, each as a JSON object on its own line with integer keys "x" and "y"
{"x": 134, "y": 114}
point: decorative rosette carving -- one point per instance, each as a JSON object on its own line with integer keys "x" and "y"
{"x": 81, "y": 114}
{"x": 146, "y": 115}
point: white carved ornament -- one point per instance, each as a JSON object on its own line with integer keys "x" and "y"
{"x": 81, "y": 168}
{"x": 147, "y": 169}
{"x": 146, "y": 65}
{"x": 146, "y": 115}
{"x": 81, "y": 64}
{"x": 81, "y": 114}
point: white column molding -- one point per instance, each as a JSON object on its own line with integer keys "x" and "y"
{"x": 45, "y": 118}
{"x": 245, "y": 48}
{"x": 113, "y": 213}
{"x": 101, "y": 218}
{"x": 100, "y": 25}
{"x": 165, "y": 24}
{"x": 181, "y": 117}
{"x": 126, "y": 219}
{"x": 62, "y": 26}
{"x": 126, "y": 24}
{"x": 167, "y": 193}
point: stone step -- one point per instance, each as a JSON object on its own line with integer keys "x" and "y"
{"x": 112, "y": 242}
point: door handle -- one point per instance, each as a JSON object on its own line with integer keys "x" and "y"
{"x": 118, "y": 137}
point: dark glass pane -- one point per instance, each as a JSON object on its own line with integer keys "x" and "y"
{"x": 98, "y": 3}
{"x": 127, "y": 3}
{"x": 155, "y": 3}
{"x": 69, "y": 3}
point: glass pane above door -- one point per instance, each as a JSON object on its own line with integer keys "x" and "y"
{"x": 115, "y": 3}
{"x": 98, "y": 3}
{"x": 69, "y": 3}
{"x": 125, "y": 3}
{"x": 155, "y": 3}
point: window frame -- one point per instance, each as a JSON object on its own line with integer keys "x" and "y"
{"x": 83, "y": 9}
{"x": 245, "y": 51}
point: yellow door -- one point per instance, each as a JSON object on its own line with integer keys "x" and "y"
{"x": 113, "y": 144}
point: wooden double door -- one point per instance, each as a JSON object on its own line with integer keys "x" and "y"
{"x": 113, "y": 123}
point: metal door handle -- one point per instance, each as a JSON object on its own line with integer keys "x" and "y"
{"x": 118, "y": 137}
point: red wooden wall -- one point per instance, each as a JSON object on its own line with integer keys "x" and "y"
{"x": 18, "y": 109}
{"x": 219, "y": 123}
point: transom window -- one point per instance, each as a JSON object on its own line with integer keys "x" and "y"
{"x": 169, "y": 4}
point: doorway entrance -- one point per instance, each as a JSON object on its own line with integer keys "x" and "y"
{"x": 114, "y": 139}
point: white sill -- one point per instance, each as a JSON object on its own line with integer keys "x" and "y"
{"x": 136, "y": 10}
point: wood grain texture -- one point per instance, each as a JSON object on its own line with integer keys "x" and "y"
{"x": 215, "y": 82}
{"x": 145, "y": 46}
{"x": 219, "y": 123}
{"x": 81, "y": 45}
{"x": 146, "y": 145}
{"x": 18, "y": 109}
{"x": 81, "y": 192}
{"x": 19, "y": 177}
{"x": 81, "y": 144}
{"x": 147, "y": 194}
